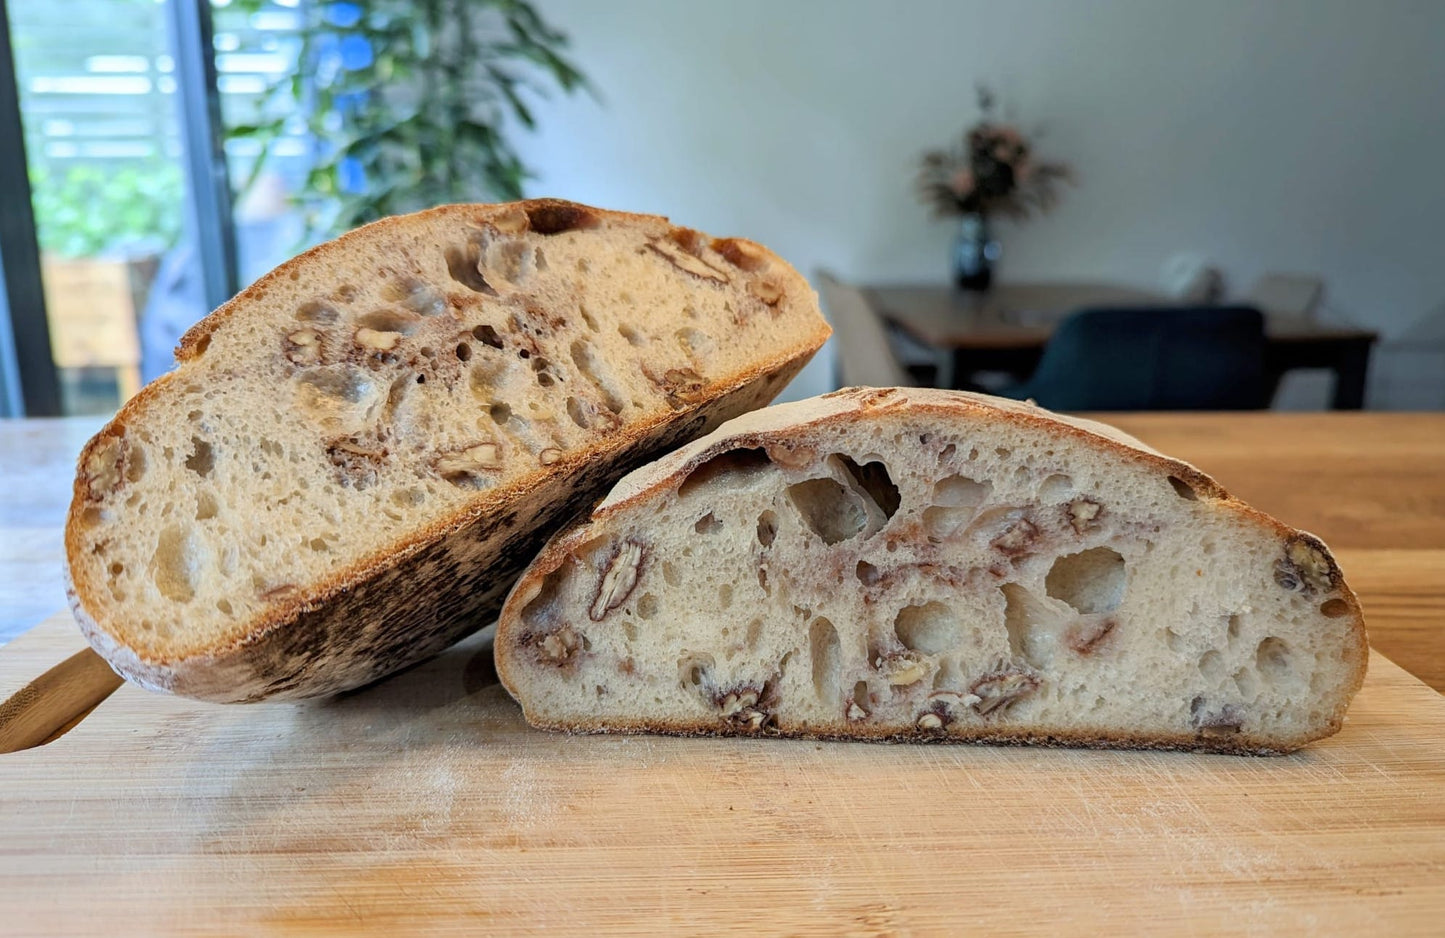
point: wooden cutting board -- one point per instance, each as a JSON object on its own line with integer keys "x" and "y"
{"x": 425, "y": 803}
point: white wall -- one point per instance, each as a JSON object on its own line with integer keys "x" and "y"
{"x": 1295, "y": 135}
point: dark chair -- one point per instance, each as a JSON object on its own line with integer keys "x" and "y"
{"x": 1173, "y": 358}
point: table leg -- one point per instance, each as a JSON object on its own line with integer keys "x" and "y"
{"x": 1351, "y": 369}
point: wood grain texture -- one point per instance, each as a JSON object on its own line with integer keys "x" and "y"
{"x": 1355, "y": 479}
{"x": 425, "y": 804}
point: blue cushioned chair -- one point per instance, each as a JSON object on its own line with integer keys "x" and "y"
{"x": 1170, "y": 358}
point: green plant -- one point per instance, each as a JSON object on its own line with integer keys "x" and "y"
{"x": 410, "y": 103}
{"x": 96, "y": 209}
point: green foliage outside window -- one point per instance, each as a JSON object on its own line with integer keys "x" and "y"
{"x": 410, "y": 103}
{"x": 85, "y": 210}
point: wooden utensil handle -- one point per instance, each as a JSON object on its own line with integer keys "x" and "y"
{"x": 50, "y": 705}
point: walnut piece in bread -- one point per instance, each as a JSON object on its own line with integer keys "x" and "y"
{"x": 933, "y": 566}
{"x": 357, "y": 455}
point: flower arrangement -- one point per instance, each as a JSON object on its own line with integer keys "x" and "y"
{"x": 991, "y": 171}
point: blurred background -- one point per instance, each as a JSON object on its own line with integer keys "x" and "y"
{"x": 1124, "y": 204}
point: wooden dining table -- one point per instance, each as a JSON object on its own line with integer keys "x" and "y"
{"x": 425, "y": 803}
{"x": 1007, "y": 328}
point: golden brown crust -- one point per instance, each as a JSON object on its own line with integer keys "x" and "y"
{"x": 318, "y": 620}
{"x": 761, "y": 427}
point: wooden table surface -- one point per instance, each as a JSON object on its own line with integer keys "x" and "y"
{"x": 425, "y": 804}
{"x": 1370, "y": 484}
{"x": 1025, "y": 314}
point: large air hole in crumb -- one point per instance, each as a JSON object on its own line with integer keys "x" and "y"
{"x": 670, "y": 574}
{"x": 463, "y": 264}
{"x": 828, "y": 509}
{"x": 409, "y": 498}
{"x": 1055, "y": 488}
{"x": 827, "y": 653}
{"x": 415, "y": 296}
{"x": 179, "y": 563}
{"x": 1029, "y": 621}
{"x": 873, "y": 478}
{"x": 767, "y": 528}
{"x": 543, "y": 611}
{"x": 578, "y": 412}
{"x": 135, "y": 462}
{"x": 732, "y": 469}
{"x": 1183, "y": 489}
{"x": 631, "y": 334}
{"x": 487, "y": 335}
{"x": 647, "y": 606}
{"x": 930, "y": 628}
{"x": 206, "y": 505}
{"x": 388, "y": 320}
{"x": 509, "y": 260}
{"x": 202, "y": 459}
{"x": 550, "y": 218}
{"x": 693, "y": 671}
{"x": 1271, "y": 658}
{"x": 347, "y": 384}
{"x": 585, "y": 357}
{"x": 318, "y": 312}
{"x": 724, "y": 596}
{"x": 866, "y": 573}
{"x": 490, "y": 374}
{"x": 1334, "y": 608}
{"x": 956, "y": 500}
{"x": 1247, "y": 683}
{"x": 500, "y": 413}
{"x": 1211, "y": 666}
{"x": 1091, "y": 581}
{"x": 707, "y": 524}
{"x": 753, "y": 635}
{"x": 948, "y": 676}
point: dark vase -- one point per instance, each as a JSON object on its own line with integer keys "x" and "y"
{"x": 974, "y": 254}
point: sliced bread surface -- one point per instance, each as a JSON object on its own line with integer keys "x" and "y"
{"x": 922, "y": 565}
{"x": 356, "y": 455}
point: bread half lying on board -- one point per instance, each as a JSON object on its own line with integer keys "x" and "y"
{"x": 358, "y": 454}
{"x": 926, "y": 565}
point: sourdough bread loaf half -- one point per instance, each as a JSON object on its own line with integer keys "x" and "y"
{"x": 356, "y": 456}
{"x": 921, "y": 565}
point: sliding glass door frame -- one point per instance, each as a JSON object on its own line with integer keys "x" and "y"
{"x": 31, "y": 386}
{"x": 29, "y": 383}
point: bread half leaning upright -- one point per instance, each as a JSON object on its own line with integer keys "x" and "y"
{"x": 356, "y": 456}
{"x": 927, "y": 565}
